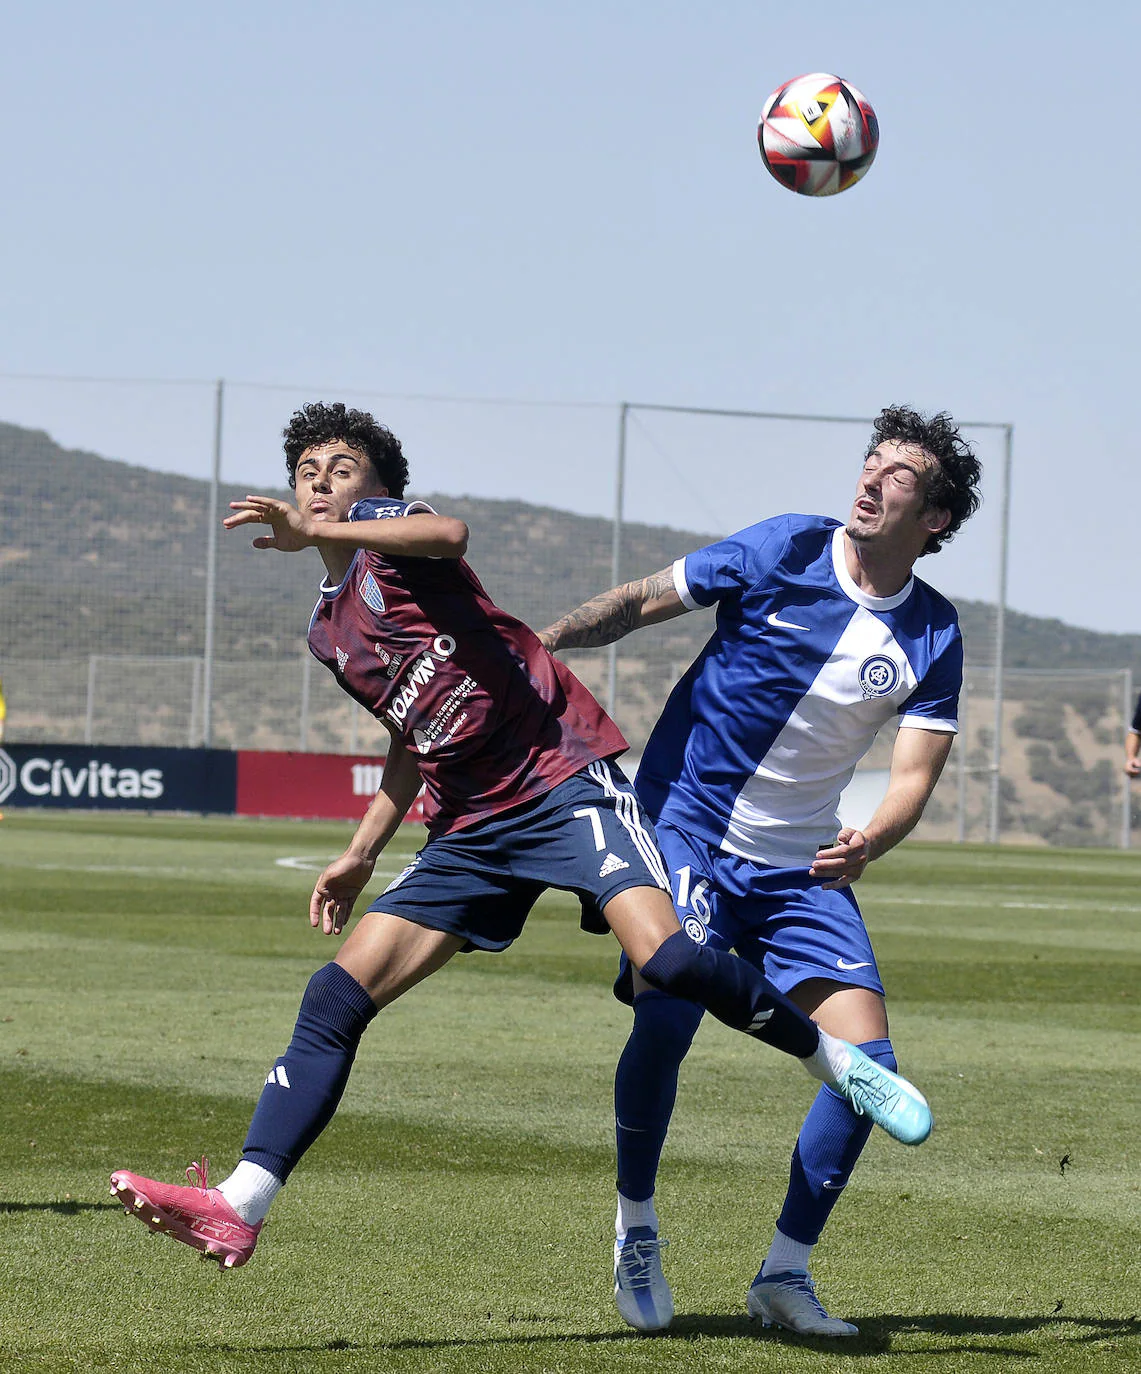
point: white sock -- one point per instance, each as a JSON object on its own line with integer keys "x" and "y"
{"x": 786, "y": 1254}
{"x": 829, "y": 1061}
{"x": 249, "y": 1190}
{"x": 634, "y": 1214}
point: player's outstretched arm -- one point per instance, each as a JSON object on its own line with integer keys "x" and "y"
{"x": 615, "y": 613}
{"x": 916, "y": 763}
{"x": 345, "y": 878}
{"x": 423, "y": 535}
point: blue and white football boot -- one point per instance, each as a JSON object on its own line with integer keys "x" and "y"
{"x": 789, "y": 1300}
{"x": 640, "y": 1288}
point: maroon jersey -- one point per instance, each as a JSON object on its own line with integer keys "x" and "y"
{"x": 492, "y": 718}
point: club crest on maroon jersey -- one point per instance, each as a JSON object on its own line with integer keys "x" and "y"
{"x": 371, "y": 594}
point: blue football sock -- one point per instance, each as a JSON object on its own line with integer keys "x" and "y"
{"x": 305, "y": 1084}
{"x": 733, "y": 990}
{"x": 645, "y": 1086}
{"x": 829, "y": 1144}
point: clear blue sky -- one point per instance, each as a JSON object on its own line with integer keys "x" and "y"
{"x": 565, "y": 203}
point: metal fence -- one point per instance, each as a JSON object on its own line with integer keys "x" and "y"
{"x": 166, "y": 631}
{"x": 1061, "y": 776}
{"x": 1061, "y": 783}
{"x": 1062, "y": 780}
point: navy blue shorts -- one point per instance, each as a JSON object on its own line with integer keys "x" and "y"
{"x": 589, "y": 835}
{"x": 786, "y": 924}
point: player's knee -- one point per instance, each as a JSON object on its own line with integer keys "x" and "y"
{"x": 334, "y": 998}
{"x": 674, "y": 967}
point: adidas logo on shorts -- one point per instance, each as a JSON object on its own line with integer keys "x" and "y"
{"x": 611, "y": 864}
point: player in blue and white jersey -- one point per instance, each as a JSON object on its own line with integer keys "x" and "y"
{"x": 823, "y": 636}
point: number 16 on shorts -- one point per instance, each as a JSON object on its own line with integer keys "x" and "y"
{"x": 692, "y": 904}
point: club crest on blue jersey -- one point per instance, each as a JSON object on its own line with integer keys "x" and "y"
{"x": 879, "y": 675}
{"x": 695, "y": 930}
{"x": 371, "y": 594}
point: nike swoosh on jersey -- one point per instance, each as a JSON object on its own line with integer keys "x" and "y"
{"x": 843, "y": 963}
{"x": 774, "y": 619}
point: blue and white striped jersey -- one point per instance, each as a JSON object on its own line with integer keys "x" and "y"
{"x": 763, "y": 732}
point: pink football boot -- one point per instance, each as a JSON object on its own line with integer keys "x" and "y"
{"x": 197, "y": 1216}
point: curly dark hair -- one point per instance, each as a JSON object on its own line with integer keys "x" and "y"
{"x": 318, "y": 423}
{"x": 953, "y": 485}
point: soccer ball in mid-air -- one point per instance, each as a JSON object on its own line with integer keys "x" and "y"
{"x": 818, "y": 134}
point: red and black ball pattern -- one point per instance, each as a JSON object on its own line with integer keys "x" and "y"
{"x": 818, "y": 134}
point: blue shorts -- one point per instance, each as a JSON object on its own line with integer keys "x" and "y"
{"x": 783, "y": 922}
{"x": 589, "y": 835}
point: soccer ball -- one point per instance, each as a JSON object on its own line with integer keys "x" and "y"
{"x": 818, "y": 134}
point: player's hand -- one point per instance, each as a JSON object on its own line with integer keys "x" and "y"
{"x": 843, "y": 862}
{"x": 337, "y": 889}
{"x": 1133, "y": 768}
{"x": 292, "y": 532}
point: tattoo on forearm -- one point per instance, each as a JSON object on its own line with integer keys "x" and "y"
{"x": 608, "y": 617}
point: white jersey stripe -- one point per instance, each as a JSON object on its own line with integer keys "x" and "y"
{"x": 788, "y": 806}
{"x": 629, "y": 814}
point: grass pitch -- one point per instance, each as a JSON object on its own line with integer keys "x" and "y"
{"x": 456, "y": 1216}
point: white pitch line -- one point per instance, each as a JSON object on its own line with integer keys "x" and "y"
{"x": 140, "y": 869}
{"x": 1006, "y": 906}
{"x": 306, "y": 863}
{"x": 316, "y": 863}
{"x": 300, "y": 863}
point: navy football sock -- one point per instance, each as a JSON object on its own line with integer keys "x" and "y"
{"x": 305, "y": 1084}
{"x": 645, "y": 1086}
{"x": 733, "y": 991}
{"x": 829, "y": 1144}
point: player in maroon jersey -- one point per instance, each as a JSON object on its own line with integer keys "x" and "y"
{"x": 522, "y": 794}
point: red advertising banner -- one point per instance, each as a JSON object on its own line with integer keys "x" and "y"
{"x": 334, "y": 787}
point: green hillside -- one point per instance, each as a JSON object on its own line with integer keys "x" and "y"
{"x": 102, "y": 622}
{"x": 98, "y": 556}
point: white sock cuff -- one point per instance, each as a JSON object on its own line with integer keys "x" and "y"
{"x": 830, "y": 1059}
{"x": 785, "y": 1255}
{"x": 632, "y": 1213}
{"x": 249, "y": 1190}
